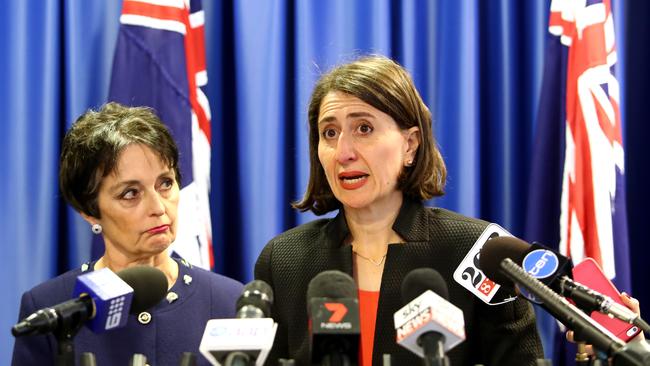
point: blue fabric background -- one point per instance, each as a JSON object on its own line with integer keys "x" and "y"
{"x": 478, "y": 65}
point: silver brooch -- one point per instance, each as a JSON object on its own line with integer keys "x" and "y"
{"x": 187, "y": 279}
{"x": 171, "y": 297}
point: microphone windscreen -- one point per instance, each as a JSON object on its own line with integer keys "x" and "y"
{"x": 149, "y": 286}
{"x": 420, "y": 280}
{"x": 495, "y": 251}
{"x": 258, "y": 294}
{"x": 332, "y": 284}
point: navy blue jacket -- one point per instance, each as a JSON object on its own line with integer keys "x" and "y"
{"x": 175, "y": 327}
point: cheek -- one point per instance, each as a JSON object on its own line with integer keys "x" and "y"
{"x": 325, "y": 157}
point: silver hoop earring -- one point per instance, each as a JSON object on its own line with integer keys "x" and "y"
{"x": 96, "y": 229}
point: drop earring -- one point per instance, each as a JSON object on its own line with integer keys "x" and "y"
{"x": 96, "y": 229}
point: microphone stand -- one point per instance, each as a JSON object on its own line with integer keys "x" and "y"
{"x": 432, "y": 344}
{"x": 237, "y": 358}
{"x": 71, "y": 323}
{"x": 334, "y": 358}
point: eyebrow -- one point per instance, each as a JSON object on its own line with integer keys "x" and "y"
{"x": 350, "y": 115}
{"x": 117, "y": 186}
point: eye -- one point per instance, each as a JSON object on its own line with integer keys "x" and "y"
{"x": 166, "y": 184}
{"x": 365, "y": 128}
{"x": 129, "y": 194}
{"x": 329, "y": 133}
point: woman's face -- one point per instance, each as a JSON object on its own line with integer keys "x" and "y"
{"x": 362, "y": 151}
{"x": 138, "y": 203}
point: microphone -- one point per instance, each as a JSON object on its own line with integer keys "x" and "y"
{"x": 554, "y": 270}
{"x": 630, "y": 354}
{"x": 333, "y": 309}
{"x": 101, "y": 299}
{"x": 428, "y": 325}
{"x": 247, "y": 339}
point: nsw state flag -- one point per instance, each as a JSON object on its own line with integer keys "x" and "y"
{"x": 577, "y": 197}
{"x": 159, "y": 62}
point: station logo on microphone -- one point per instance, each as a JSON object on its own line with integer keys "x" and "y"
{"x": 470, "y": 276}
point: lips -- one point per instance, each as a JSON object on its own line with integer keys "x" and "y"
{"x": 352, "y": 179}
{"x": 158, "y": 229}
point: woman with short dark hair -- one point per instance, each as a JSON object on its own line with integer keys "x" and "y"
{"x": 119, "y": 170}
{"x": 373, "y": 157}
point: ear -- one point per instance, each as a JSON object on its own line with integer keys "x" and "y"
{"x": 90, "y": 219}
{"x": 412, "y": 143}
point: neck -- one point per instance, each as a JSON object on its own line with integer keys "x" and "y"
{"x": 371, "y": 228}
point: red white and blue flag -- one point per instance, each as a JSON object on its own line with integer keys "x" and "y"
{"x": 593, "y": 163}
{"x": 160, "y": 63}
{"x": 577, "y": 192}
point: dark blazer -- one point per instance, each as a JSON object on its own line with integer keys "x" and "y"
{"x": 174, "y": 327}
{"x": 435, "y": 238}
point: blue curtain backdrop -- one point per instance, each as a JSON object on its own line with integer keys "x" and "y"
{"x": 477, "y": 64}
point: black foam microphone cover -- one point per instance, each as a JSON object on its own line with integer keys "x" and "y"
{"x": 420, "y": 280}
{"x": 498, "y": 249}
{"x": 149, "y": 286}
{"x": 332, "y": 284}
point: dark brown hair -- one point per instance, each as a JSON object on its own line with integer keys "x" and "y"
{"x": 387, "y": 86}
{"x": 92, "y": 146}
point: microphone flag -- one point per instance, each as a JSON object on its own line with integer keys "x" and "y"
{"x": 110, "y": 294}
{"x": 159, "y": 62}
{"x": 429, "y": 312}
{"x": 469, "y": 274}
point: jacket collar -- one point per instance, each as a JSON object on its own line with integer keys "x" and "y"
{"x": 411, "y": 224}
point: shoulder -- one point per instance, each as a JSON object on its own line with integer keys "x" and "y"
{"x": 299, "y": 234}
{"x": 297, "y": 240}
{"x": 451, "y": 218}
{"x": 218, "y": 283}
{"x": 51, "y": 292}
{"x": 446, "y": 224}
{"x": 294, "y": 249}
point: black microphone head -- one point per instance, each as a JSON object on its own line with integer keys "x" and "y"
{"x": 258, "y": 294}
{"x": 495, "y": 251}
{"x": 420, "y": 280}
{"x": 331, "y": 284}
{"x": 149, "y": 286}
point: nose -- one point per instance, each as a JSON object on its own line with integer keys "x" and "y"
{"x": 345, "y": 149}
{"x": 156, "y": 204}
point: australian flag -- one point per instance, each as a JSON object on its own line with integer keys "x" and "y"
{"x": 159, "y": 62}
{"x": 577, "y": 194}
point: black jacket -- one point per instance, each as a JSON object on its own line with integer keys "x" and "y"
{"x": 436, "y": 238}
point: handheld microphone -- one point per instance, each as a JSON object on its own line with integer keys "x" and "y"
{"x": 246, "y": 339}
{"x": 428, "y": 325}
{"x": 623, "y": 354}
{"x": 102, "y": 298}
{"x": 333, "y": 308}
{"x": 554, "y": 270}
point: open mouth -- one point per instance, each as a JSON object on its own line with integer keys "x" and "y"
{"x": 353, "y": 180}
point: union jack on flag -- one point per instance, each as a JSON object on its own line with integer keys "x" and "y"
{"x": 159, "y": 62}
{"x": 594, "y": 164}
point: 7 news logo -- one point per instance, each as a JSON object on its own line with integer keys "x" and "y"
{"x": 115, "y": 310}
{"x": 337, "y": 319}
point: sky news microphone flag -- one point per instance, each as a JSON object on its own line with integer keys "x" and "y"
{"x": 159, "y": 62}
{"x": 577, "y": 191}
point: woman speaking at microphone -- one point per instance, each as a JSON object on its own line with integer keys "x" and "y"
{"x": 119, "y": 170}
{"x": 373, "y": 158}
